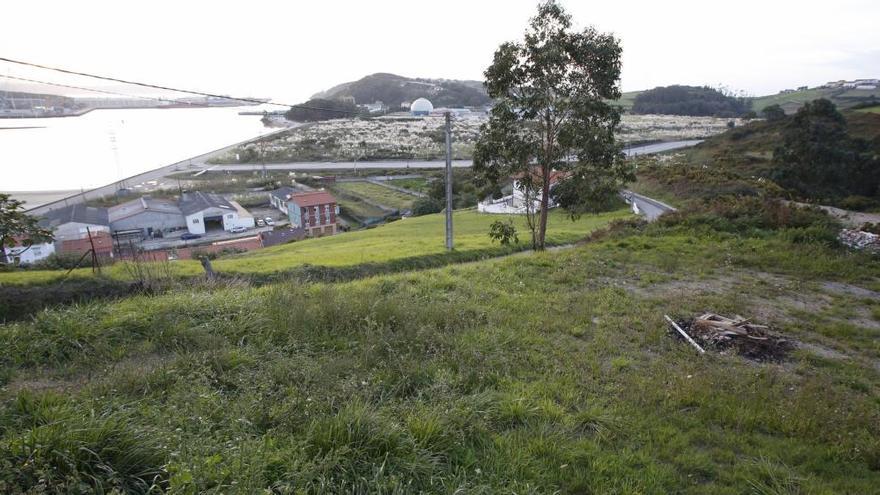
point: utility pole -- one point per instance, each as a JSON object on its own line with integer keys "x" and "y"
{"x": 95, "y": 264}
{"x": 448, "y": 181}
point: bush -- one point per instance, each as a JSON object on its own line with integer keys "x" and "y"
{"x": 858, "y": 203}
{"x": 61, "y": 261}
{"x": 751, "y": 215}
{"x": 426, "y": 206}
{"x": 504, "y": 232}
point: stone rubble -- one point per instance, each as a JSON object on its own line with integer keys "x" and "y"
{"x": 858, "y": 239}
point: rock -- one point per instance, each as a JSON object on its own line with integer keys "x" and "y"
{"x": 858, "y": 239}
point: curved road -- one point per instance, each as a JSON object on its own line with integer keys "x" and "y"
{"x": 199, "y": 164}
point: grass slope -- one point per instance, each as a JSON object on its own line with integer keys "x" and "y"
{"x": 738, "y": 161}
{"x": 548, "y": 373}
{"x": 790, "y": 102}
{"x": 410, "y": 238}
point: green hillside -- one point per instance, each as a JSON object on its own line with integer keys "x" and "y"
{"x": 739, "y": 161}
{"x": 416, "y": 240}
{"x": 790, "y": 102}
{"x": 393, "y": 90}
{"x": 547, "y": 373}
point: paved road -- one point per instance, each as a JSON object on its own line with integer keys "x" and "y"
{"x": 643, "y": 205}
{"x": 199, "y": 164}
{"x": 648, "y": 149}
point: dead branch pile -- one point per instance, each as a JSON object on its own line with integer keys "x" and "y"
{"x": 737, "y": 334}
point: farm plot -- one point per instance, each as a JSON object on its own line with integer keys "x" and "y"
{"x": 378, "y": 194}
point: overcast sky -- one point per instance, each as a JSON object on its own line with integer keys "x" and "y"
{"x": 289, "y": 50}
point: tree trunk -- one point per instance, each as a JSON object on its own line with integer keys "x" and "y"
{"x": 3, "y": 251}
{"x": 545, "y": 201}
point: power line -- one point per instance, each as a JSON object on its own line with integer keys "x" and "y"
{"x": 167, "y": 88}
{"x": 94, "y": 90}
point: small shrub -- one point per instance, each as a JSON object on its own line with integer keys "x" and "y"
{"x": 426, "y": 206}
{"x": 504, "y": 232}
{"x": 858, "y": 203}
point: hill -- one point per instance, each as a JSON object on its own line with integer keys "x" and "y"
{"x": 540, "y": 373}
{"x": 739, "y": 161}
{"x": 393, "y": 90}
{"x": 843, "y": 98}
{"x": 697, "y": 101}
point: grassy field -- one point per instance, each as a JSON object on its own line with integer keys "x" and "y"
{"x": 378, "y": 194}
{"x": 413, "y": 237}
{"x": 547, "y": 373}
{"x": 875, "y": 109}
{"x": 417, "y": 185}
{"x": 409, "y": 238}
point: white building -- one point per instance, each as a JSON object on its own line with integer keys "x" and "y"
{"x": 421, "y": 107}
{"x": 205, "y": 211}
{"x": 76, "y": 221}
{"x": 516, "y": 203}
{"x": 25, "y": 255}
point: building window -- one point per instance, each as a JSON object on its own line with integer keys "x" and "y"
{"x": 229, "y": 216}
{"x": 195, "y": 220}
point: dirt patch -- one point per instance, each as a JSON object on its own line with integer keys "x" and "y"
{"x": 850, "y": 290}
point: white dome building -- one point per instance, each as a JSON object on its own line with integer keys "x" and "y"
{"x": 421, "y": 107}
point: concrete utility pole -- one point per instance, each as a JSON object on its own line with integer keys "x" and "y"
{"x": 448, "y": 181}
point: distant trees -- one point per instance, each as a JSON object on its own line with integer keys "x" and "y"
{"x": 318, "y": 109}
{"x": 690, "y": 100}
{"x": 819, "y": 159}
{"x": 773, "y": 113}
{"x": 17, "y": 227}
{"x": 551, "y": 117}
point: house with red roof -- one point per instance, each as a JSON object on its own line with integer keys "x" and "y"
{"x": 315, "y": 212}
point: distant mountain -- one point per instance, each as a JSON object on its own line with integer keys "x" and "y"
{"x": 393, "y": 90}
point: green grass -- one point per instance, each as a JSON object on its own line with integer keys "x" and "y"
{"x": 546, "y": 373}
{"x": 417, "y": 185}
{"x": 410, "y": 238}
{"x": 413, "y": 237}
{"x": 875, "y": 109}
{"x": 790, "y": 102}
{"x": 378, "y": 194}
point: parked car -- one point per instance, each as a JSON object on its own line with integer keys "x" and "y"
{"x": 239, "y": 229}
{"x": 260, "y": 222}
{"x": 269, "y": 221}
{"x": 189, "y": 236}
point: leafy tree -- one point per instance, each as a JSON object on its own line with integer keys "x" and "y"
{"x": 773, "y": 113}
{"x": 551, "y": 118}
{"x": 320, "y": 109}
{"x": 818, "y": 157}
{"x": 18, "y": 227}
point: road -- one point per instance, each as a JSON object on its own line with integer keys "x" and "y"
{"x": 643, "y": 205}
{"x": 648, "y": 149}
{"x": 200, "y": 163}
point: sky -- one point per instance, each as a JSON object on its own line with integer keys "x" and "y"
{"x": 289, "y": 50}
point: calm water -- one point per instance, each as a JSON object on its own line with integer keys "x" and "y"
{"x": 104, "y": 146}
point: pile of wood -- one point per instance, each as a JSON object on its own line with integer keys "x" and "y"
{"x": 719, "y": 328}
{"x": 737, "y": 334}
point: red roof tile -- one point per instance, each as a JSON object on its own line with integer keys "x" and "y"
{"x": 313, "y": 198}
